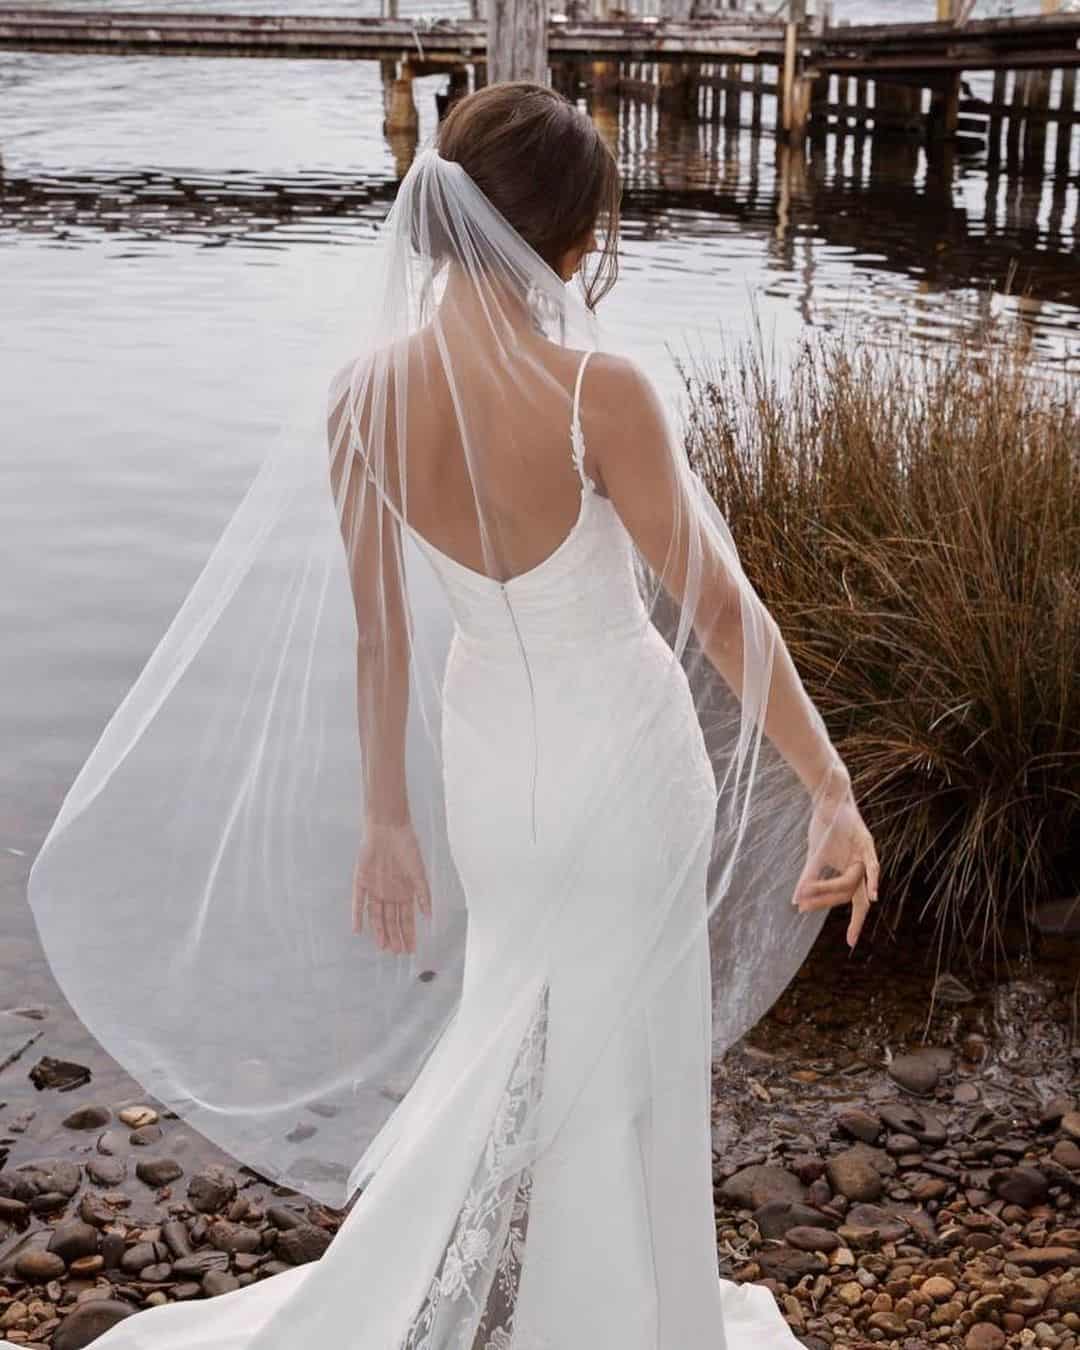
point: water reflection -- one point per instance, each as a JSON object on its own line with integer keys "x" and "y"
{"x": 883, "y": 208}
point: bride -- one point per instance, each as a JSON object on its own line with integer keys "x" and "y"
{"x": 479, "y": 621}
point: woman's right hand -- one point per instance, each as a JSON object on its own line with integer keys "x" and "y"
{"x": 390, "y": 882}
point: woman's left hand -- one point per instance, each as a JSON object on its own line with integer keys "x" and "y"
{"x": 842, "y": 864}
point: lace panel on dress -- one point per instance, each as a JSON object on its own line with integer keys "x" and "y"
{"x": 470, "y": 1302}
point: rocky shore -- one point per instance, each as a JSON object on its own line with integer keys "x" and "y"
{"x": 898, "y": 1157}
{"x": 897, "y": 1177}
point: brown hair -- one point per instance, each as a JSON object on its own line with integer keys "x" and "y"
{"x": 544, "y": 167}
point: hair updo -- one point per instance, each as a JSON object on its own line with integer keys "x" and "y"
{"x": 544, "y": 167}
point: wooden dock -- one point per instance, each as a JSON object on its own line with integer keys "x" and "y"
{"x": 446, "y": 41}
{"x": 902, "y": 79}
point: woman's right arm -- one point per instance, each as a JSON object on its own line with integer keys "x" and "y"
{"x": 655, "y": 495}
{"x": 389, "y": 876}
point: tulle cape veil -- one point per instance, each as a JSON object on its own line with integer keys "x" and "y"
{"x": 193, "y": 895}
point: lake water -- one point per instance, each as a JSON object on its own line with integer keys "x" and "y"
{"x": 173, "y": 237}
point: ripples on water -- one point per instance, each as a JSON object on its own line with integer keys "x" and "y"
{"x": 175, "y": 237}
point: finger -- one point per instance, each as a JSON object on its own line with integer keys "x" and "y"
{"x": 358, "y": 902}
{"x": 860, "y": 907}
{"x": 873, "y": 873}
{"x": 378, "y": 922}
{"x": 397, "y": 941}
{"x": 847, "y": 880}
{"x": 423, "y": 895}
{"x": 838, "y": 890}
{"x": 408, "y": 927}
{"x": 825, "y": 902}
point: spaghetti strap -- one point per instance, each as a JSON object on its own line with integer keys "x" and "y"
{"x": 577, "y": 439}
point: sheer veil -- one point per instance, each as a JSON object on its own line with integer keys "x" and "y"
{"x": 194, "y": 894}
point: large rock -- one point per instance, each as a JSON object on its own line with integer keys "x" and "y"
{"x": 1024, "y": 1186}
{"x": 211, "y": 1190}
{"x": 862, "y": 1125}
{"x": 984, "y": 1336}
{"x": 852, "y": 1174}
{"x": 106, "y": 1171}
{"x": 38, "y": 1267}
{"x": 789, "y": 1265}
{"x": 74, "y": 1238}
{"x": 234, "y": 1237}
{"x": 778, "y": 1217}
{"x": 87, "y": 1118}
{"x": 58, "y": 1176}
{"x": 89, "y": 1321}
{"x": 302, "y": 1244}
{"x": 919, "y": 1071}
{"x": 760, "y": 1184}
{"x": 158, "y": 1171}
{"x": 1044, "y": 1258}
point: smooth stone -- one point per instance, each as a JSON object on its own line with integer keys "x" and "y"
{"x": 219, "y": 1282}
{"x": 852, "y": 1175}
{"x": 784, "y": 1263}
{"x": 37, "y": 1266}
{"x": 87, "y": 1118}
{"x": 200, "y": 1263}
{"x": 174, "y": 1233}
{"x": 984, "y": 1336}
{"x": 812, "y": 1239}
{"x": 106, "y": 1171}
{"x": 138, "y": 1116}
{"x": 145, "y": 1134}
{"x": 1044, "y": 1258}
{"x": 48, "y": 1201}
{"x": 761, "y": 1183}
{"x": 74, "y": 1238}
{"x": 860, "y": 1125}
{"x": 52, "y": 1175}
{"x": 1070, "y": 1124}
{"x": 85, "y": 1266}
{"x": 94, "y": 1209}
{"x": 300, "y": 1245}
{"x": 778, "y": 1217}
{"x": 234, "y": 1237}
{"x": 15, "y": 1212}
{"x": 62, "y": 1074}
{"x": 1024, "y": 1186}
{"x": 158, "y": 1171}
{"x": 1067, "y": 1154}
{"x": 211, "y": 1190}
{"x": 89, "y": 1321}
{"x": 140, "y": 1255}
{"x": 919, "y": 1071}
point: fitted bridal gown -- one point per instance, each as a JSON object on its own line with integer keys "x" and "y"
{"x": 606, "y": 1240}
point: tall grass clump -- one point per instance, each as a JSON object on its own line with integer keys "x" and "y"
{"x": 912, "y": 519}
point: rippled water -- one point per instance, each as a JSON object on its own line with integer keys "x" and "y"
{"x": 174, "y": 234}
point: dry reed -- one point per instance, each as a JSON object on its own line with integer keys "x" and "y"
{"x": 912, "y": 518}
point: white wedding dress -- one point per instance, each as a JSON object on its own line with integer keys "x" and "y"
{"x": 606, "y": 1241}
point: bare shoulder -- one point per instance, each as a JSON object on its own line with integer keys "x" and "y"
{"x": 623, "y": 415}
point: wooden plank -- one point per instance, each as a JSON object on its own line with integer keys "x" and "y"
{"x": 517, "y": 40}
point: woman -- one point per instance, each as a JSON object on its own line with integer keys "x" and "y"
{"x": 599, "y": 820}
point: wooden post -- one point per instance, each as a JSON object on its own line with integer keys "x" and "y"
{"x": 733, "y": 97}
{"x": 787, "y": 77}
{"x": 819, "y": 106}
{"x": 1064, "y": 128}
{"x": 401, "y": 112}
{"x": 944, "y": 108}
{"x": 1038, "y": 103}
{"x": 517, "y": 40}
